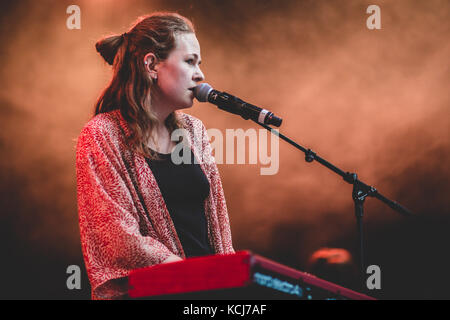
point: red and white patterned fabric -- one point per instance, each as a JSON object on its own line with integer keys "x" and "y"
{"x": 124, "y": 222}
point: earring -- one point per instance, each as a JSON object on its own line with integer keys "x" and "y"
{"x": 154, "y": 77}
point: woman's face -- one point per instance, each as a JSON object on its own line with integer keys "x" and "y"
{"x": 179, "y": 73}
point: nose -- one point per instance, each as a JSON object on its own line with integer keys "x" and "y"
{"x": 198, "y": 75}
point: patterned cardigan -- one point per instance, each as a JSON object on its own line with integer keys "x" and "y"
{"x": 124, "y": 222}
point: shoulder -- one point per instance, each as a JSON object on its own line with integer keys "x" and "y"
{"x": 191, "y": 123}
{"x": 189, "y": 120}
{"x": 102, "y": 124}
{"x": 102, "y": 127}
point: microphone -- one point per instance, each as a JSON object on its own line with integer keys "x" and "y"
{"x": 225, "y": 101}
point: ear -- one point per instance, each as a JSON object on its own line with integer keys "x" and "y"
{"x": 151, "y": 64}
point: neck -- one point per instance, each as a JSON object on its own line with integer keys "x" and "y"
{"x": 161, "y": 112}
{"x": 160, "y": 108}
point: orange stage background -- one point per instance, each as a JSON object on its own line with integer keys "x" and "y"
{"x": 375, "y": 102}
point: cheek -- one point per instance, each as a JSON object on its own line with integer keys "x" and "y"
{"x": 175, "y": 77}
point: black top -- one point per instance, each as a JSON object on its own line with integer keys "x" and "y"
{"x": 184, "y": 188}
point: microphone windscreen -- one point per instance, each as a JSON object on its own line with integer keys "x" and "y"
{"x": 202, "y": 91}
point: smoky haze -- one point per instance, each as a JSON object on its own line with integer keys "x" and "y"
{"x": 374, "y": 102}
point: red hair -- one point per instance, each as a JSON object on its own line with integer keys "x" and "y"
{"x": 130, "y": 87}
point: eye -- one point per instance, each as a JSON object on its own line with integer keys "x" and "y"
{"x": 190, "y": 61}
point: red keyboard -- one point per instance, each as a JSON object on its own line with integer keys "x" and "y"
{"x": 242, "y": 275}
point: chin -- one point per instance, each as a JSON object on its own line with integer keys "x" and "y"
{"x": 186, "y": 105}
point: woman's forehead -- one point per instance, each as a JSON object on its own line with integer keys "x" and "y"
{"x": 187, "y": 43}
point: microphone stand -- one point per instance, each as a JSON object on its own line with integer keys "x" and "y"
{"x": 359, "y": 194}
